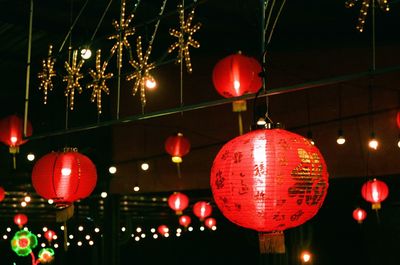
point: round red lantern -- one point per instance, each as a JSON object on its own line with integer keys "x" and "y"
{"x": 177, "y": 146}
{"x": 359, "y": 215}
{"x": 269, "y": 180}
{"x": 185, "y": 220}
{"x": 202, "y": 210}
{"x": 11, "y": 132}
{"x": 178, "y": 202}
{"x": 398, "y": 119}
{"x": 2, "y": 194}
{"x": 375, "y": 191}
{"x": 236, "y": 75}
{"x": 20, "y": 219}
{"x": 210, "y": 223}
{"x": 49, "y": 235}
{"x": 163, "y": 230}
{"x": 64, "y": 177}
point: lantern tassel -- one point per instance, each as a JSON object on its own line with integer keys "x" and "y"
{"x": 178, "y": 168}
{"x": 239, "y": 106}
{"x": 65, "y": 237}
{"x": 273, "y": 242}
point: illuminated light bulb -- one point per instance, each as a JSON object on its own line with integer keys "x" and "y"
{"x": 80, "y": 228}
{"x": 340, "y": 140}
{"x": 201, "y": 228}
{"x": 65, "y": 171}
{"x": 43, "y": 245}
{"x": 39, "y": 235}
{"x": 190, "y": 229}
{"x": 71, "y": 237}
{"x": 13, "y": 139}
{"x": 153, "y": 230}
{"x": 155, "y": 236}
{"x": 305, "y": 256}
{"x": 50, "y": 201}
{"x": 23, "y": 204}
{"x": 132, "y": 235}
{"x": 398, "y": 143}
{"x": 123, "y": 229}
{"x": 112, "y": 170}
{"x": 137, "y": 238}
{"x": 176, "y": 159}
{"x": 8, "y": 229}
{"x": 27, "y": 198}
{"x": 136, "y": 188}
{"x": 68, "y": 243}
{"x": 55, "y": 245}
{"x": 261, "y": 121}
{"x": 91, "y": 242}
{"x": 30, "y": 157}
{"x": 178, "y": 234}
{"x": 55, "y": 237}
{"x": 150, "y": 83}
{"x": 87, "y": 237}
{"x": 62, "y": 228}
{"x": 103, "y": 194}
{"x": 86, "y": 53}
{"x": 45, "y": 229}
{"x": 5, "y": 237}
{"x": 166, "y": 235}
{"x": 138, "y": 229}
{"x": 96, "y": 230}
{"x": 373, "y": 142}
{"x": 79, "y": 243}
{"x": 179, "y": 230}
{"x": 214, "y": 227}
{"x": 143, "y": 235}
{"x": 145, "y": 166}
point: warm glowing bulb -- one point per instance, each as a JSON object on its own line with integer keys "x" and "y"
{"x": 153, "y": 230}
{"x": 103, "y": 194}
{"x": 86, "y": 53}
{"x": 8, "y": 229}
{"x": 14, "y": 139}
{"x": 340, "y": 140}
{"x": 87, "y": 237}
{"x": 65, "y": 171}
{"x": 44, "y": 229}
{"x": 27, "y": 198}
{"x": 201, "y": 228}
{"x": 145, "y": 166}
{"x": 190, "y": 229}
{"x": 80, "y": 228}
{"x": 79, "y": 243}
{"x": 43, "y": 245}
{"x": 150, "y": 83}
{"x": 123, "y": 229}
{"x": 305, "y": 256}
{"x": 55, "y": 245}
{"x": 96, "y": 230}
{"x": 155, "y": 236}
{"x": 30, "y": 157}
{"x": 50, "y": 201}
{"x": 398, "y": 143}
{"x": 138, "y": 229}
{"x": 112, "y": 170}
{"x": 136, "y": 188}
{"x": 261, "y": 122}
{"x": 373, "y": 143}
{"x": 71, "y": 237}
{"x": 23, "y": 204}
{"x": 137, "y": 238}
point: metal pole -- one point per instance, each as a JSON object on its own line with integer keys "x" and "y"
{"x": 28, "y": 69}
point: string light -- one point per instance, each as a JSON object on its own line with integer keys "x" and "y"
{"x": 86, "y": 53}
{"x": 30, "y": 157}
{"x": 373, "y": 142}
{"x": 383, "y": 4}
{"x": 340, "y": 140}
{"x": 72, "y": 78}
{"x": 46, "y": 75}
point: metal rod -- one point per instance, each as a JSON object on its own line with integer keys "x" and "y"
{"x": 28, "y": 69}
{"x": 203, "y": 105}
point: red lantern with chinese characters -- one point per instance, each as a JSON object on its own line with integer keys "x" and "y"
{"x": 202, "y": 210}
{"x": 20, "y": 219}
{"x": 185, "y": 220}
{"x": 210, "y": 223}
{"x": 359, "y": 215}
{"x": 163, "y": 230}
{"x": 375, "y": 191}
{"x": 49, "y": 235}
{"x": 2, "y": 194}
{"x": 178, "y": 202}
{"x": 236, "y": 75}
{"x": 64, "y": 177}
{"x": 269, "y": 180}
{"x": 177, "y": 146}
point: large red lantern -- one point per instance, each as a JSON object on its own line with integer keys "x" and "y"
{"x": 202, "y": 210}
{"x": 2, "y": 194}
{"x": 20, "y": 219}
{"x": 177, "y": 146}
{"x": 185, "y": 220}
{"x": 64, "y": 177}
{"x": 359, "y": 215}
{"x": 178, "y": 202}
{"x": 236, "y": 75}
{"x": 375, "y": 191}
{"x": 269, "y": 180}
{"x": 210, "y": 223}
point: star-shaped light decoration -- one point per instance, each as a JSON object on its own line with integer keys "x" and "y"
{"x": 99, "y": 81}
{"x": 142, "y": 70}
{"x": 123, "y": 31}
{"x": 383, "y": 4}
{"x": 47, "y": 74}
{"x": 185, "y": 37}
{"x": 73, "y": 77}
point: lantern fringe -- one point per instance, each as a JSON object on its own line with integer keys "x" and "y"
{"x": 271, "y": 242}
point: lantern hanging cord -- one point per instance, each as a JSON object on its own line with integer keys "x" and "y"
{"x": 100, "y": 21}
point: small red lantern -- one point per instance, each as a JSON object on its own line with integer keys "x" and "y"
{"x": 359, "y": 215}
{"x": 202, "y": 210}
{"x": 236, "y": 75}
{"x": 398, "y": 119}
{"x": 177, "y": 146}
{"x": 375, "y": 191}
{"x": 20, "y": 220}
{"x": 269, "y": 180}
{"x": 185, "y": 220}
{"x": 178, "y": 202}
{"x": 210, "y": 223}
{"x": 64, "y": 177}
{"x": 163, "y": 230}
{"x": 2, "y": 194}
{"x": 49, "y": 235}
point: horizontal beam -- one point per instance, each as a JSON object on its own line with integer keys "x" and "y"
{"x": 214, "y": 103}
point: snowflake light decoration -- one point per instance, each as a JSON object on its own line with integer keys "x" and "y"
{"x": 142, "y": 70}
{"x": 46, "y": 75}
{"x": 383, "y": 4}
{"x": 73, "y": 78}
{"x": 123, "y": 31}
{"x": 99, "y": 81}
{"x": 185, "y": 37}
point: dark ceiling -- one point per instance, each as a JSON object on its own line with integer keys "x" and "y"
{"x": 318, "y": 73}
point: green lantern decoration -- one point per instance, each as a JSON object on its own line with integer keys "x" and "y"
{"x": 23, "y": 242}
{"x": 46, "y": 255}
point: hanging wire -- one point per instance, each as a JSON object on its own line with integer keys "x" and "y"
{"x": 100, "y": 21}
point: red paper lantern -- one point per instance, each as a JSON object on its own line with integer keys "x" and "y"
{"x": 202, "y": 210}
{"x": 177, "y": 146}
{"x": 64, "y": 177}
{"x": 375, "y": 191}
{"x": 49, "y": 235}
{"x": 398, "y": 119}
{"x": 210, "y": 223}
{"x": 185, "y": 220}
{"x": 236, "y": 75}
{"x": 178, "y": 202}
{"x": 359, "y": 215}
{"x": 269, "y": 180}
{"x": 11, "y": 132}
{"x": 163, "y": 230}
{"x": 2, "y": 194}
{"x": 20, "y": 219}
